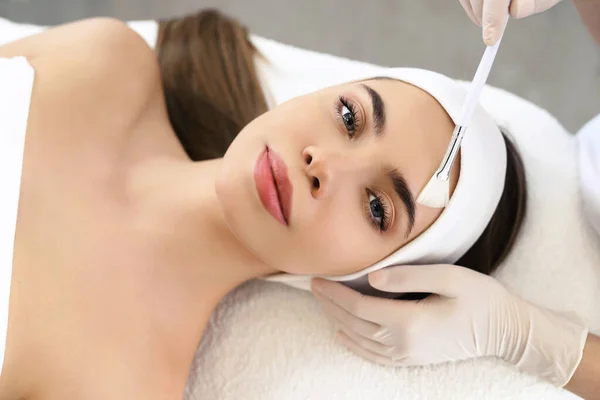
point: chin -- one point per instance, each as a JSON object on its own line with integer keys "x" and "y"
{"x": 240, "y": 206}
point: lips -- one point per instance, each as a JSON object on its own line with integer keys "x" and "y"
{"x": 273, "y": 185}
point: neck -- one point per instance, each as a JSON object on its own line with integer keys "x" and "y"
{"x": 179, "y": 210}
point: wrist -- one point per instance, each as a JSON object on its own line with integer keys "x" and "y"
{"x": 552, "y": 345}
{"x": 584, "y": 381}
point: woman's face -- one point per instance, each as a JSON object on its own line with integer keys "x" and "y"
{"x": 327, "y": 183}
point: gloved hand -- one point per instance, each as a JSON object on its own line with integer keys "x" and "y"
{"x": 491, "y": 14}
{"x": 470, "y": 315}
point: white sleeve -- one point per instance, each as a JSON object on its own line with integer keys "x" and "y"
{"x": 588, "y": 139}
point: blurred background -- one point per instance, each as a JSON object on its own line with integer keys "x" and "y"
{"x": 548, "y": 59}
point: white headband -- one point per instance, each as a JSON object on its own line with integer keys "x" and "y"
{"x": 475, "y": 198}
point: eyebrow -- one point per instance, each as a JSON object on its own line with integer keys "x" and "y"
{"x": 378, "y": 107}
{"x": 402, "y": 190}
{"x": 397, "y": 179}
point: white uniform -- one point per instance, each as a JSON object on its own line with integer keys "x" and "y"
{"x": 589, "y": 170}
{"x": 16, "y": 85}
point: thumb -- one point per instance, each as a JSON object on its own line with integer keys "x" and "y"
{"x": 493, "y": 20}
{"x": 443, "y": 280}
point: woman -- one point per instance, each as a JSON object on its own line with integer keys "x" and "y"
{"x": 124, "y": 246}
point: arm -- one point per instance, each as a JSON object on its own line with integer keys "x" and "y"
{"x": 589, "y": 11}
{"x": 586, "y": 379}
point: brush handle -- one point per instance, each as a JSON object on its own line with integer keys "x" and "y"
{"x": 481, "y": 75}
{"x": 443, "y": 172}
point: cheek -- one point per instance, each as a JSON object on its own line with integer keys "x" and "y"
{"x": 341, "y": 242}
{"x": 257, "y": 128}
{"x": 300, "y": 120}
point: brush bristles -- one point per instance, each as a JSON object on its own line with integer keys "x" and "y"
{"x": 436, "y": 193}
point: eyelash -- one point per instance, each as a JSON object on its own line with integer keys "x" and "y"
{"x": 344, "y": 102}
{"x": 384, "y": 224}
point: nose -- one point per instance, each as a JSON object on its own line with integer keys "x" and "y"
{"x": 324, "y": 169}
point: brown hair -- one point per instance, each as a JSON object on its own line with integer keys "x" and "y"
{"x": 211, "y": 86}
{"x": 497, "y": 239}
{"x": 212, "y": 91}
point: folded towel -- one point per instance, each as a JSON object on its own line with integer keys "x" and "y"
{"x": 16, "y": 85}
{"x": 269, "y": 341}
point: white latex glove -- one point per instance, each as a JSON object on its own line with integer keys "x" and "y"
{"x": 471, "y": 315}
{"x": 492, "y": 14}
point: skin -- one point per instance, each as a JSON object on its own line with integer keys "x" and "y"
{"x": 124, "y": 246}
{"x": 585, "y": 382}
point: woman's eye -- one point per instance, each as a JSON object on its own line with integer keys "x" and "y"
{"x": 378, "y": 211}
{"x": 376, "y": 208}
{"x": 349, "y": 120}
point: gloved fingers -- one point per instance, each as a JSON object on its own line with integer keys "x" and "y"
{"x": 466, "y": 4}
{"x": 384, "y": 336}
{"x": 335, "y": 312}
{"x": 367, "y": 308}
{"x": 367, "y": 354}
{"x": 493, "y": 20}
{"x": 525, "y": 8}
{"x": 444, "y": 280}
{"x": 520, "y": 9}
{"x": 366, "y": 343}
{"x": 477, "y": 6}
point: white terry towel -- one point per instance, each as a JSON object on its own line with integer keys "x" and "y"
{"x": 267, "y": 341}
{"x": 16, "y": 85}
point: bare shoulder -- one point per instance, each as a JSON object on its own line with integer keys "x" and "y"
{"x": 94, "y": 75}
{"x": 99, "y": 42}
